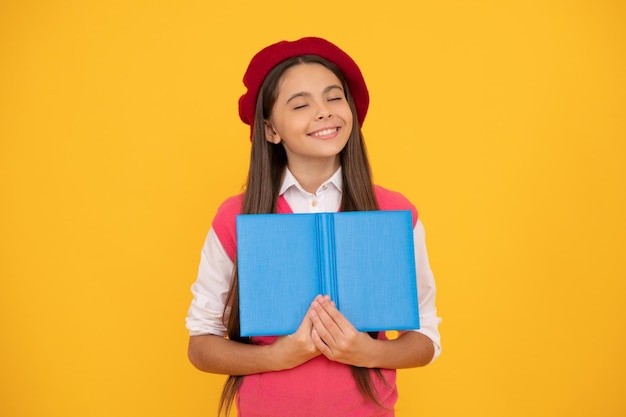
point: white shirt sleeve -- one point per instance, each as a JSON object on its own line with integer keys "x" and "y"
{"x": 426, "y": 290}
{"x": 210, "y": 289}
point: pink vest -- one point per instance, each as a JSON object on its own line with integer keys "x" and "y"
{"x": 319, "y": 387}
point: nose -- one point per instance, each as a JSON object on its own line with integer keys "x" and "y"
{"x": 324, "y": 113}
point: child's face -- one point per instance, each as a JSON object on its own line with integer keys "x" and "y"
{"x": 311, "y": 116}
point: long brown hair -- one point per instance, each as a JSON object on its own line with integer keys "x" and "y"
{"x": 267, "y": 165}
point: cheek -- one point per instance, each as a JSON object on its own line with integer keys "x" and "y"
{"x": 346, "y": 112}
{"x": 295, "y": 123}
{"x": 348, "y": 118}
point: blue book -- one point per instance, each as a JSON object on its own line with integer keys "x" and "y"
{"x": 364, "y": 260}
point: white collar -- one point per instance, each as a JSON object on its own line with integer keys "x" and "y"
{"x": 290, "y": 181}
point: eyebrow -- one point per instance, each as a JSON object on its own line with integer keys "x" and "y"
{"x": 305, "y": 94}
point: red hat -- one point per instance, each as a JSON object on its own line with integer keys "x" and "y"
{"x": 269, "y": 57}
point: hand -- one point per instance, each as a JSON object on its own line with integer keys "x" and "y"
{"x": 296, "y": 348}
{"x": 335, "y": 337}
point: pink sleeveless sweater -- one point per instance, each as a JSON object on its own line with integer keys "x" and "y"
{"x": 319, "y": 387}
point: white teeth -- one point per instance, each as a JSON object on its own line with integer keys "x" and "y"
{"x": 325, "y": 132}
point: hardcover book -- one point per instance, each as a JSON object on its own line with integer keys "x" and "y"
{"x": 364, "y": 260}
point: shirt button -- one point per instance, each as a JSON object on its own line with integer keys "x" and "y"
{"x": 314, "y": 203}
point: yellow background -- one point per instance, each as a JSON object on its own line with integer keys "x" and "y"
{"x": 504, "y": 122}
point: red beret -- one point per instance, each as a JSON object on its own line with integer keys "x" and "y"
{"x": 269, "y": 57}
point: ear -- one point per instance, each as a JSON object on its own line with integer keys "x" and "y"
{"x": 270, "y": 133}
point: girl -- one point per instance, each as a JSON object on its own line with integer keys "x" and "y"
{"x": 305, "y": 103}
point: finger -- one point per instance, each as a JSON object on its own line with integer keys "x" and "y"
{"x": 320, "y": 344}
{"x": 329, "y": 313}
{"x": 320, "y": 320}
{"x": 323, "y": 314}
{"x": 306, "y": 325}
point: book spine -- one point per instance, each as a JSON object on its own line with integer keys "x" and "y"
{"x": 326, "y": 255}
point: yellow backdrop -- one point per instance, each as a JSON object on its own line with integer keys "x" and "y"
{"x": 504, "y": 122}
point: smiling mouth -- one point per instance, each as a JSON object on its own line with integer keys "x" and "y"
{"x": 325, "y": 132}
